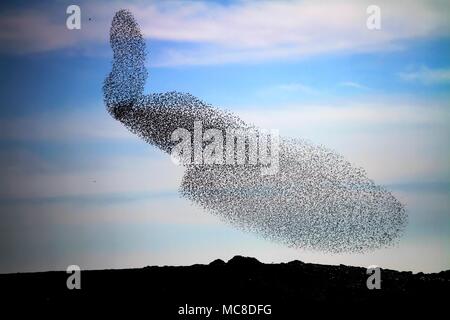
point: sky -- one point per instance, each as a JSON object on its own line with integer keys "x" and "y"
{"x": 78, "y": 188}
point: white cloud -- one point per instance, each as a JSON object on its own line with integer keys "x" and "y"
{"x": 63, "y": 126}
{"x": 366, "y": 113}
{"x": 175, "y": 210}
{"x": 255, "y": 31}
{"x": 241, "y": 31}
{"x": 28, "y": 175}
{"x": 427, "y": 76}
{"x": 393, "y": 141}
{"x": 294, "y": 87}
{"x": 126, "y": 175}
{"x": 352, "y": 84}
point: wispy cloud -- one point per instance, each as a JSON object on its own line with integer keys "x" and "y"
{"x": 143, "y": 175}
{"x": 352, "y": 84}
{"x": 364, "y": 130}
{"x": 246, "y": 31}
{"x": 63, "y": 126}
{"x": 427, "y": 76}
{"x": 394, "y": 141}
{"x": 295, "y": 87}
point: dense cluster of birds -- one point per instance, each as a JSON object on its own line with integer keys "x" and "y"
{"x": 315, "y": 200}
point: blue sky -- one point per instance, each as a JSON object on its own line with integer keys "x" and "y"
{"x": 77, "y": 188}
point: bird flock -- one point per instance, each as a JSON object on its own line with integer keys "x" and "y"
{"x": 315, "y": 199}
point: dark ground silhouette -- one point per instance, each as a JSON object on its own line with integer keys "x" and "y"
{"x": 289, "y": 288}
